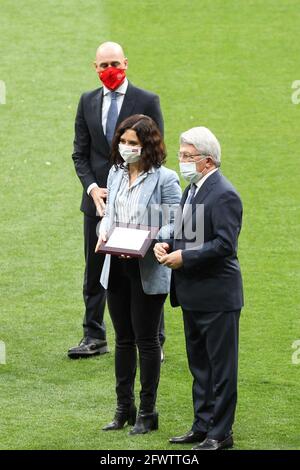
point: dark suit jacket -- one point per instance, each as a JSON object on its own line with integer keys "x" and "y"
{"x": 210, "y": 279}
{"x": 91, "y": 149}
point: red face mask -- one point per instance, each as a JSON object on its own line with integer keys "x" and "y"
{"x": 112, "y": 77}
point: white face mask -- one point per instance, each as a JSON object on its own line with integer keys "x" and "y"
{"x": 130, "y": 154}
{"x": 189, "y": 172}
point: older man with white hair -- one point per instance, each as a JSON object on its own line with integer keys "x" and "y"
{"x": 207, "y": 284}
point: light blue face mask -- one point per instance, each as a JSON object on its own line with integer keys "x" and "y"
{"x": 189, "y": 172}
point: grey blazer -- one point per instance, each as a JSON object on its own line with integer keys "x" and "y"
{"x": 161, "y": 190}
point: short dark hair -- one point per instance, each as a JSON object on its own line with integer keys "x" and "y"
{"x": 153, "y": 147}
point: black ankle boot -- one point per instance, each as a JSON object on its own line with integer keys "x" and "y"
{"x": 123, "y": 414}
{"x": 145, "y": 422}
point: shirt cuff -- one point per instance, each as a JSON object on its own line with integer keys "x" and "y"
{"x": 91, "y": 186}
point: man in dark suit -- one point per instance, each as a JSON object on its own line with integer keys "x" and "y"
{"x": 99, "y": 113}
{"x": 207, "y": 284}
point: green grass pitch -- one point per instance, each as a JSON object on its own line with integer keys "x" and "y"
{"x": 225, "y": 64}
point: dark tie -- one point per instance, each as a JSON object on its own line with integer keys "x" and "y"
{"x": 112, "y": 117}
{"x": 189, "y": 200}
{"x": 191, "y": 195}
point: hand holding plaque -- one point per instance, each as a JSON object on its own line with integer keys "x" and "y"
{"x": 127, "y": 240}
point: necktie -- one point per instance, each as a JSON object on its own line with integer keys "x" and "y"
{"x": 189, "y": 200}
{"x": 112, "y": 117}
{"x": 191, "y": 195}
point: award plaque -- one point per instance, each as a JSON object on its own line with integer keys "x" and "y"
{"x": 129, "y": 240}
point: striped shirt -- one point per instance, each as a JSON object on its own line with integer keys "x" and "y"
{"x": 127, "y": 200}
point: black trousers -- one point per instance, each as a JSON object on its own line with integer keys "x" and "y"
{"x": 94, "y": 295}
{"x": 136, "y": 318}
{"x": 212, "y": 350}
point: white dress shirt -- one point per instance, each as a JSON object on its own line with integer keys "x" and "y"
{"x": 127, "y": 200}
{"x": 107, "y": 100}
{"x": 105, "y": 107}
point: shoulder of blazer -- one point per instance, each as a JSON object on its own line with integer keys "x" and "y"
{"x": 166, "y": 173}
{"x": 220, "y": 186}
{"x": 224, "y": 184}
{"x": 113, "y": 172}
{"x": 133, "y": 90}
{"x": 89, "y": 95}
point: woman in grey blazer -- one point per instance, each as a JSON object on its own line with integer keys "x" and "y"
{"x": 140, "y": 191}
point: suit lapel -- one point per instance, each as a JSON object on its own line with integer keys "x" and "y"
{"x": 147, "y": 192}
{"x": 127, "y": 105}
{"x": 201, "y": 194}
{"x": 185, "y": 195}
{"x": 97, "y": 113}
{"x": 115, "y": 186}
{"x": 113, "y": 193}
{"x": 179, "y": 216}
{"x": 199, "y": 198}
{"x": 125, "y": 111}
{"x": 205, "y": 189}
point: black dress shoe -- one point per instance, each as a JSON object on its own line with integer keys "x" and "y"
{"x": 145, "y": 422}
{"x": 88, "y": 347}
{"x": 213, "y": 444}
{"x": 189, "y": 438}
{"x": 123, "y": 415}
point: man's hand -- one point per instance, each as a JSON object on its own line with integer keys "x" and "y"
{"x": 173, "y": 260}
{"x": 160, "y": 249}
{"x": 102, "y": 238}
{"x": 98, "y": 195}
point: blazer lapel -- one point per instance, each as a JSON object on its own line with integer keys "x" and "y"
{"x": 127, "y": 105}
{"x": 113, "y": 193}
{"x": 125, "y": 111}
{"x": 179, "y": 216}
{"x": 148, "y": 189}
{"x": 200, "y": 196}
{"x": 97, "y": 113}
{"x": 116, "y": 184}
{"x": 184, "y": 196}
{"x": 205, "y": 189}
{"x": 144, "y": 198}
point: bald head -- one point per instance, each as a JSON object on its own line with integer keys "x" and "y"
{"x": 110, "y": 54}
{"x": 110, "y": 47}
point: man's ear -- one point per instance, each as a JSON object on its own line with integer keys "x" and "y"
{"x": 210, "y": 161}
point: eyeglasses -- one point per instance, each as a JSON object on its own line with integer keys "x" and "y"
{"x": 190, "y": 156}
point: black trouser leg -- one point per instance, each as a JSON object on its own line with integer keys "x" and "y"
{"x": 94, "y": 294}
{"x": 146, "y": 317}
{"x": 199, "y": 366}
{"x": 135, "y": 316}
{"x": 161, "y": 329}
{"x": 118, "y": 300}
{"x": 222, "y": 347}
{"x": 212, "y": 347}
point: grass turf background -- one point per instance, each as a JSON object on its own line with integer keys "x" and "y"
{"x": 228, "y": 65}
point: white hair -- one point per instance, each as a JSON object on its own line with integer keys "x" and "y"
{"x": 204, "y": 141}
